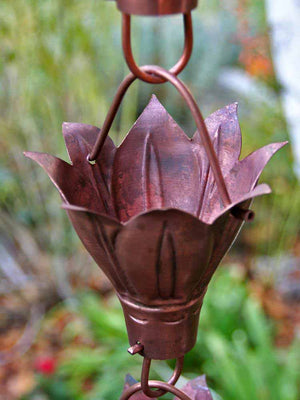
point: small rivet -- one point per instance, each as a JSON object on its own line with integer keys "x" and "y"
{"x": 242, "y": 214}
{"x": 136, "y": 348}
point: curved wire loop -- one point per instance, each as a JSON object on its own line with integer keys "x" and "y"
{"x": 166, "y": 387}
{"x": 190, "y": 101}
{"x": 139, "y": 72}
{"x": 145, "y": 377}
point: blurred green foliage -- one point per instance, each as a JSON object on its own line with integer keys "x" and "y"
{"x": 235, "y": 348}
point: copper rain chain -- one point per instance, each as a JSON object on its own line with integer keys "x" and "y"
{"x": 159, "y": 212}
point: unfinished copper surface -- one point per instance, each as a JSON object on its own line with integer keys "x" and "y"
{"x": 150, "y": 214}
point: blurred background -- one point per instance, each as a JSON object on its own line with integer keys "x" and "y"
{"x": 62, "y": 334}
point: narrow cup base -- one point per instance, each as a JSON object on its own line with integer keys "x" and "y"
{"x": 165, "y": 332}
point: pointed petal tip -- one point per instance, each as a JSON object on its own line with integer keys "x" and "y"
{"x": 231, "y": 108}
{"x": 224, "y": 114}
{"x": 150, "y": 121}
{"x": 50, "y": 163}
{"x": 234, "y": 106}
{"x": 33, "y": 155}
{"x": 261, "y": 189}
{"x": 284, "y": 143}
{"x": 265, "y": 188}
{"x": 77, "y": 127}
{"x": 65, "y": 125}
{"x": 67, "y": 206}
{"x": 38, "y": 155}
{"x": 65, "y": 129}
{"x": 277, "y": 146}
{"x": 154, "y": 97}
{"x": 258, "y": 159}
{"x": 155, "y": 102}
{"x": 96, "y": 214}
{"x": 155, "y": 106}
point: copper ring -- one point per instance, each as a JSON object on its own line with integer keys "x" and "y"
{"x": 155, "y": 385}
{"x": 145, "y": 377}
{"x": 145, "y": 76}
{"x": 156, "y": 7}
{"x": 191, "y": 103}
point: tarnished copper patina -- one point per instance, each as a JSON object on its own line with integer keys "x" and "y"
{"x": 159, "y": 212}
{"x": 150, "y": 214}
{"x": 156, "y": 7}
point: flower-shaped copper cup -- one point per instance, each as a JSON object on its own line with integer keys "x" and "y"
{"x": 150, "y": 214}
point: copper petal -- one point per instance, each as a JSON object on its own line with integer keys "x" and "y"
{"x": 240, "y": 180}
{"x": 80, "y": 139}
{"x": 155, "y": 167}
{"x": 164, "y": 254}
{"x": 71, "y": 184}
{"x": 82, "y": 184}
{"x": 227, "y": 232}
{"x": 223, "y": 127}
{"x": 98, "y": 232}
{"x": 247, "y": 171}
{"x": 197, "y": 389}
{"x": 163, "y": 269}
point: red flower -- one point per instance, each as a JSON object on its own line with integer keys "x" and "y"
{"x": 45, "y": 365}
